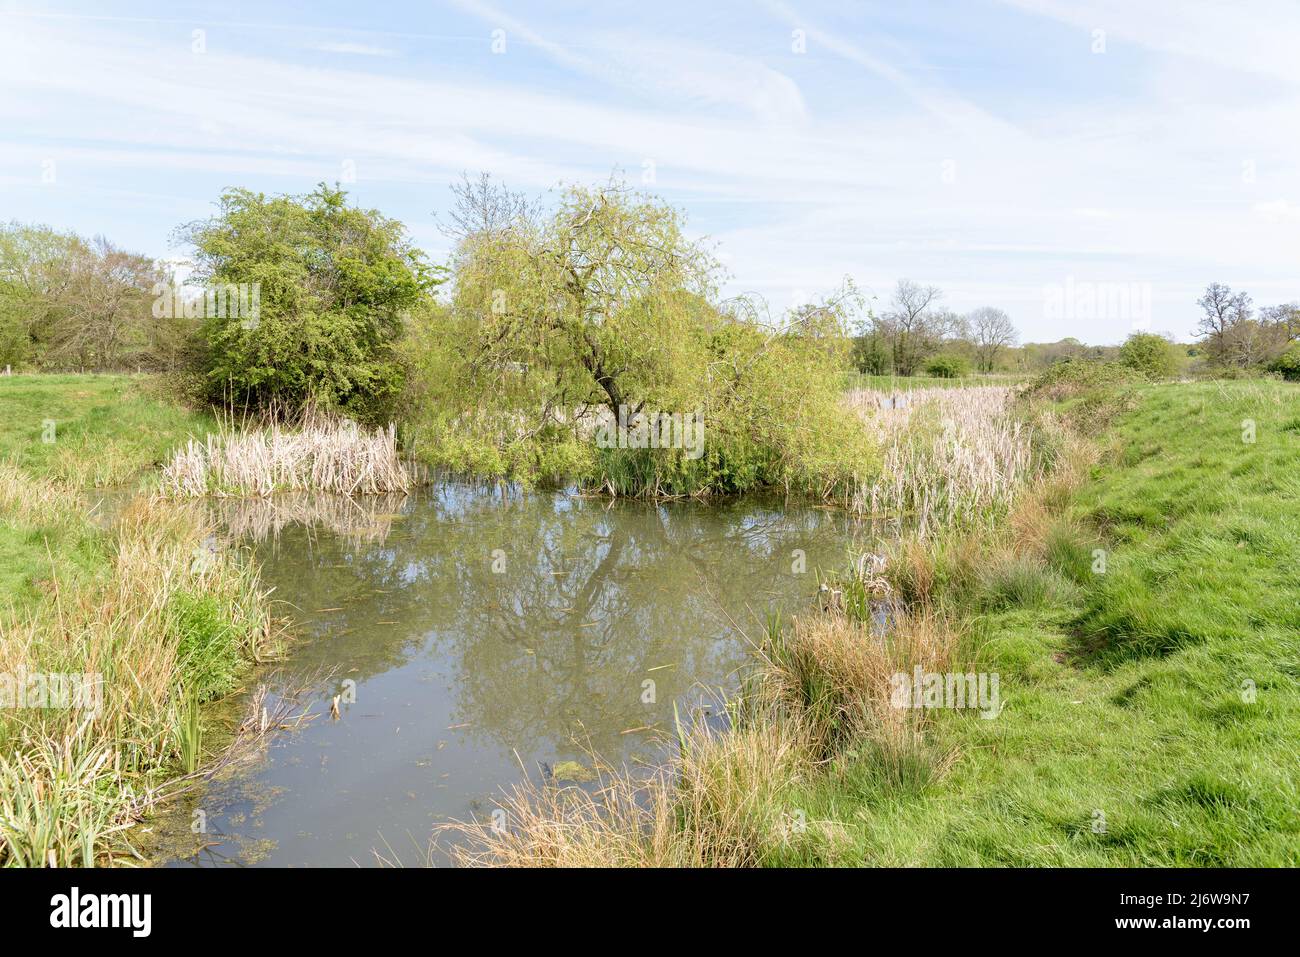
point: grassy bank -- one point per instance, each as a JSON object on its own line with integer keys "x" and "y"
{"x": 92, "y": 431}
{"x": 1145, "y": 631}
{"x": 78, "y": 432}
{"x": 1138, "y": 608}
{"x": 116, "y": 631}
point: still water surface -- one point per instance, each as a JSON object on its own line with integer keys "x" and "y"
{"x": 490, "y": 634}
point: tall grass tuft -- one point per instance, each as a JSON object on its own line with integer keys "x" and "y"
{"x": 72, "y": 778}
{"x": 720, "y": 805}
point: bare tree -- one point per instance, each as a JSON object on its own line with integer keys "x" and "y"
{"x": 914, "y": 325}
{"x": 991, "y": 331}
{"x": 483, "y": 207}
{"x": 1223, "y": 309}
{"x": 1284, "y": 320}
{"x": 104, "y": 307}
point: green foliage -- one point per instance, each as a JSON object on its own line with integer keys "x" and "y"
{"x": 189, "y": 732}
{"x": 560, "y": 322}
{"x": 870, "y": 354}
{"x": 947, "y": 366}
{"x": 1287, "y": 365}
{"x": 1152, "y": 355}
{"x": 209, "y": 651}
{"x": 333, "y": 283}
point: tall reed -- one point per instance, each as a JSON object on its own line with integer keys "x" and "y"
{"x": 322, "y": 453}
{"x": 950, "y": 455}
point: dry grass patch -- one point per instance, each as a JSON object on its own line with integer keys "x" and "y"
{"x": 719, "y": 805}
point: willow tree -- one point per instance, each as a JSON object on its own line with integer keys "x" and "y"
{"x": 599, "y": 298}
{"x": 604, "y": 303}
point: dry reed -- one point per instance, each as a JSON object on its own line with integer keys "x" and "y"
{"x": 950, "y": 455}
{"x": 320, "y": 454}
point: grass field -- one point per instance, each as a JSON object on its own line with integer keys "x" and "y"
{"x": 90, "y": 431}
{"x": 81, "y": 432}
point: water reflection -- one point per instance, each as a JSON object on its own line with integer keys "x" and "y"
{"x": 487, "y": 630}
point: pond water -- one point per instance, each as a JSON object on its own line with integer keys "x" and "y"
{"x": 488, "y": 634}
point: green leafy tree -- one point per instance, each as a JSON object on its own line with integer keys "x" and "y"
{"x": 603, "y": 306}
{"x": 1287, "y": 365}
{"x": 870, "y": 353}
{"x": 1152, "y": 355}
{"x": 329, "y": 285}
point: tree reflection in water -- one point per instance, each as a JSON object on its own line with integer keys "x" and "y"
{"x": 527, "y": 622}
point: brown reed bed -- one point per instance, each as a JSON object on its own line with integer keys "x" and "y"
{"x": 950, "y": 456}
{"x": 320, "y": 453}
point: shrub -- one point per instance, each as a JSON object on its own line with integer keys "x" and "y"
{"x": 1287, "y": 365}
{"x": 1152, "y": 355}
{"x": 947, "y": 366}
{"x": 332, "y": 285}
{"x": 1091, "y": 393}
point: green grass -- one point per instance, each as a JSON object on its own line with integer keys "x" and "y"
{"x": 109, "y": 430}
{"x": 1152, "y": 712}
{"x": 30, "y": 556}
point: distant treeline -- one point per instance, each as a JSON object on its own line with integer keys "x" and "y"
{"x": 312, "y": 298}
{"x": 916, "y": 335}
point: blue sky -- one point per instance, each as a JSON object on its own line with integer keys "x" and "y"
{"x": 1008, "y": 151}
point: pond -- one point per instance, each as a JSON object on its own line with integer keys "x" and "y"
{"x": 476, "y": 635}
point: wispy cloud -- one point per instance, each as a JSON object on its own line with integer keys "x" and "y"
{"x": 852, "y": 157}
{"x": 662, "y": 68}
